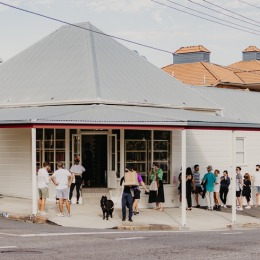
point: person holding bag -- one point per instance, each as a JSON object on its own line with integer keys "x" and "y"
{"x": 77, "y": 171}
{"x": 156, "y": 188}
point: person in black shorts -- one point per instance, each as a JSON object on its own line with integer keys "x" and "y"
{"x": 197, "y": 184}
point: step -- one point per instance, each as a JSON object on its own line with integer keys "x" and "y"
{"x": 92, "y": 200}
{"x": 94, "y": 195}
{"x": 92, "y": 190}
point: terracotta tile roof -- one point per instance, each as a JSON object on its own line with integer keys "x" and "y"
{"x": 189, "y": 49}
{"x": 251, "y": 48}
{"x": 193, "y": 73}
{"x": 250, "y": 65}
{"x": 249, "y": 77}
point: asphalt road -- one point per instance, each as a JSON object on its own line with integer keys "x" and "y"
{"x": 20, "y": 240}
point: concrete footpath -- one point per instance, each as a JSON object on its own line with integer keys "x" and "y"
{"x": 92, "y": 217}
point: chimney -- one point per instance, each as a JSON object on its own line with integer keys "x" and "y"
{"x": 191, "y": 54}
{"x": 251, "y": 53}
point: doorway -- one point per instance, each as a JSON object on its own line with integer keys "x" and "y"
{"x": 94, "y": 158}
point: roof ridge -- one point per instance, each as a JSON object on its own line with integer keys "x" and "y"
{"x": 202, "y": 62}
{"x": 235, "y": 72}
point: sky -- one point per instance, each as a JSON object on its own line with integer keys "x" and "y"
{"x": 142, "y": 21}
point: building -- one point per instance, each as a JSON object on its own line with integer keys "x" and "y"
{"x": 192, "y": 66}
{"x": 78, "y": 87}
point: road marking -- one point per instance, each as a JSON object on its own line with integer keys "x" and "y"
{"x": 128, "y": 238}
{"x": 233, "y": 233}
{"x": 5, "y": 247}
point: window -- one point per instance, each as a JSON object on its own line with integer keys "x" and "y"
{"x": 240, "y": 150}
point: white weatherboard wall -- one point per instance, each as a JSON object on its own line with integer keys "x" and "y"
{"x": 15, "y": 162}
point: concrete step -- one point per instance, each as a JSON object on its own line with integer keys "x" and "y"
{"x": 92, "y": 199}
{"x": 92, "y": 190}
{"x": 94, "y": 195}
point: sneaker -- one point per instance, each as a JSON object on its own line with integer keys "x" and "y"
{"x": 123, "y": 219}
{"x": 219, "y": 208}
{"x": 69, "y": 201}
{"x": 198, "y": 206}
{"x": 248, "y": 207}
{"x": 61, "y": 215}
{"x": 69, "y": 215}
{"x": 240, "y": 209}
{"x": 134, "y": 213}
{"x": 39, "y": 212}
{"x": 222, "y": 205}
{"x": 137, "y": 213}
{"x": 130, "y": 220}
{"x": 77, "y": 202}
{"x": 215, "y": 207}
{"x": 225, "y": 206}
{"x": 43, "y": 213}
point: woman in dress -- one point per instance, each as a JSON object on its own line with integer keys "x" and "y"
{"x": 77, "y": 171}
{"x": 189, "y": 181}
{"x": 246, "y": 192}
{"x": 156, "y": 188}
{"x": 216, "y": 190}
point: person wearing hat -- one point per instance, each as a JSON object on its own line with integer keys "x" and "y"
{"x": 210, "y": 180}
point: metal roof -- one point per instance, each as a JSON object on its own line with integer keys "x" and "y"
{"x": 76, "y": 66}
{"x": 237, "y": 104}
{"x": 114, "y": 114}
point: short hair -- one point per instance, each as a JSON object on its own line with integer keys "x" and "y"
{"x": 156, "y": 164}
{"x": 129, "y": 167}
{"x": 135, "y": 168}
{"x": 238, "y": 168}
{"x": 217, "y": 171}
{"x": 225, "y": 172}
{"x": 46, "y": 163}
{"x": 60, "y": 165}
{"x": 258, "y": 165}
{"x": 195, "y": 166}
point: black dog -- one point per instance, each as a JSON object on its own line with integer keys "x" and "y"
{"x": 107, "y": 207}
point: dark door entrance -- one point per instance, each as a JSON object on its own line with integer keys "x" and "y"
{"x": 94, "y": 159}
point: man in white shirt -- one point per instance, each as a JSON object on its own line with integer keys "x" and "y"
{"x": 256, "y": 179}
{"x": 60, "y": 179}
{"x": 43, "y": 181}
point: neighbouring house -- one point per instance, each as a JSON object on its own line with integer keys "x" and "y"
{"x": 192, "y": 66}
{"x": 77, "y": 88}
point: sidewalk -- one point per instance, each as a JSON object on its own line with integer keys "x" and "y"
{"x": 92, "y": 217}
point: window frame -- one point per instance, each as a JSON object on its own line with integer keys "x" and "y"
{"x": 242, "y": 151}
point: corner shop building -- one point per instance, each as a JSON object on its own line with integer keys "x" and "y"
{"x": 76, "y": 87}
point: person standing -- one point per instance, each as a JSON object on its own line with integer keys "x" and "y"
{"x": 239, "y": 188}
{"x": 247, "y": 190}
{"x": 158, "y": 196}
{"x": 224, "y": 184}
{"x": 216, "y": 190}
{"x": 77, "y": 171}
{"x": 210, "y": 180}
{"x": 197, "y": 184}
{"x": 127, "y": 197}
{"x": 43, "y": 181}
{"x": 189, "y": 181}
{"x": 137, "y": 192}
{"x": 179, "y": 188}
{"x": 60, "y": 179}
{"x": 256, "y": 179}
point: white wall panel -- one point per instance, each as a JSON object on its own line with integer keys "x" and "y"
{"x": 15, "y": 162}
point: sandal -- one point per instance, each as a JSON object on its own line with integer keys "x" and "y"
{"x": 161, "y": 209}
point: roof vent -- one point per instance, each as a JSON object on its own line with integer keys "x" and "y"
{"x": 251, "y": 53}
{"x": 191, "y": 54}
{"x": 139, "y": 54}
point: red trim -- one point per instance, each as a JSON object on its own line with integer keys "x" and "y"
{"x": 148, "y": 127}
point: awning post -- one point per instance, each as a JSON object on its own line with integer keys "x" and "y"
{"x": 34, "y": 181}
{"x": 233, "y": 176}
{"x": 183, "y": 182}
{"x": 122, "y": 152}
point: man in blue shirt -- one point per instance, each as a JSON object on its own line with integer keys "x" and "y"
{"x": 210, "y": 180}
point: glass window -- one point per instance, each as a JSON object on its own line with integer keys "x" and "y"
{"x": 240, "y": 150}
{"x": 60, "y": 138}
{"x": 49, "y": 138}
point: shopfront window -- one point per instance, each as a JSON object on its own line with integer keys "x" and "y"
{"x": 50, "y": 146}
{"x": 144, "y": 147}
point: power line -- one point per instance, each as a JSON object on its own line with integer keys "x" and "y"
{"x": 147, "y": 46}
{"x": 205, "y": 18}
{"x": 230, "y": 11}
{"x": 249, "y": 4}
{"x": 223, "y": 13}
{"x": 213, "y": 16}
{"x": 112, "y": 36}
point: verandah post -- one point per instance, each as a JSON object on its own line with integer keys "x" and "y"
{"x": 233, "y": 176}
{"x": 34, "y": 181}
{"x": 183, "y": 182}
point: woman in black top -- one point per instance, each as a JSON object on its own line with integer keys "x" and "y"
{"x": 247, "y": 190}
{"x": 224, "y": 184}
{"x": 189, "y": 178}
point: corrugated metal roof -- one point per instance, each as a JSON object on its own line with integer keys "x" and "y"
{"x": 114, "y": 114}
{"x": 73, "y": 65}
{"x": 237, "y": 104}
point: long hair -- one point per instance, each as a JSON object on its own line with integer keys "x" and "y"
{"x": 247, "y": 177}
{"x": 188, "y": 171}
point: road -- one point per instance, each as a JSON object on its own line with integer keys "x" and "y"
{"x": 20, "y": 240}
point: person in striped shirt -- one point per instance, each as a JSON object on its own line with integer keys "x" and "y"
{"x": 197, "y": 184}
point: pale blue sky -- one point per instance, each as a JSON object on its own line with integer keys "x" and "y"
{"x": 137, "y": 20}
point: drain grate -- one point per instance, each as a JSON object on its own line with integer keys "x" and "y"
{"x": 21, "y": 252}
